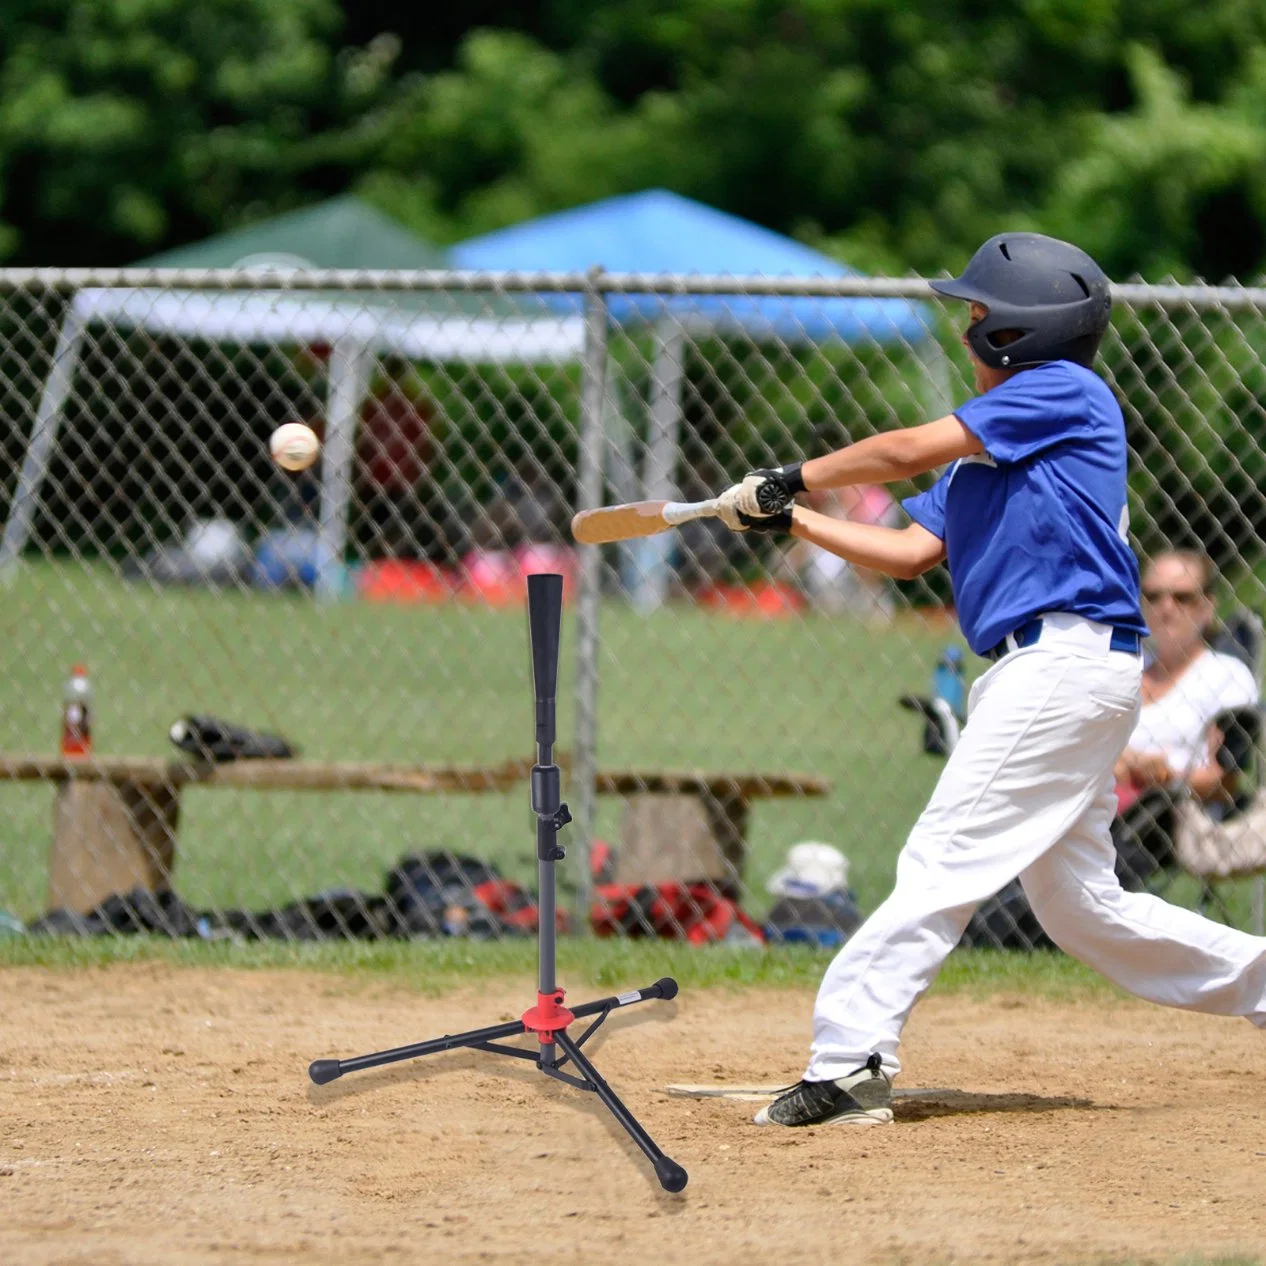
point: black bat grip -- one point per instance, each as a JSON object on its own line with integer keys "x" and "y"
{"x": 545, "y": 618}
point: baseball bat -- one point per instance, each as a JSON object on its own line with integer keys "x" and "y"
{"x": 637, "y": 518}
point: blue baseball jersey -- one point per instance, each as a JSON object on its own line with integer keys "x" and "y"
{"x": 1038, "y": 522}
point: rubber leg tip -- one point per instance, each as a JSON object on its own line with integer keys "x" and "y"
{"x": 323, "y": 1070}
{"x": 671, "y": 1175}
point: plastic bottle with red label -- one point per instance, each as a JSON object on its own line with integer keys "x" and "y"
{"x": 77, "y": 713}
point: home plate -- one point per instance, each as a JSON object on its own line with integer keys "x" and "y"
{"x": 754, "y": 1094}
{"x": 703, "y": 1090}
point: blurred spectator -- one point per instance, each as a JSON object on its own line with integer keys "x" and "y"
{"x": 833, "y": 584}
{"x": 396, "y": 509}
{"x": 521, "y": 530}
{"x": 528, "y": 508}
{"x": 1185, "y": 685}
{"x": 394, "y": 449}
{"x": 1177, "y": 747}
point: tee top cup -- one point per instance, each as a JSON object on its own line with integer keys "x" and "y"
{"x": 545, "y": 613}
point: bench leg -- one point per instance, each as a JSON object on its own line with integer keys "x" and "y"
{"x": 728, "y": 817}
{"x": 668, "y": 835}
{"x": 109, "y": 838}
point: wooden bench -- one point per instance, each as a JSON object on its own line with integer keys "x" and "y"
{"x": 688, "y": 824}
{"x": 115, "y": 819}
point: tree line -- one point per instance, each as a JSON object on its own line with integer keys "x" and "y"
{"x": 894, "y": 134}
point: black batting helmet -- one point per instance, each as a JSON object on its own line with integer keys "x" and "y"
{"x": 1051, "y": 292}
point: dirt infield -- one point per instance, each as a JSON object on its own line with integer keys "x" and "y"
{"x": 151, "y": 1114}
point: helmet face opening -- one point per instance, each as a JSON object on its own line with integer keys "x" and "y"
{"x": 1050, "y": 293}
{"x": 1004, "y": 338}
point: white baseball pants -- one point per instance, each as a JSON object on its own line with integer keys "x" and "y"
{"x": 1028, "y": 791}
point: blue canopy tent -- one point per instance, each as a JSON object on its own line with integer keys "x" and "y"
{"x": 661, "y": 232}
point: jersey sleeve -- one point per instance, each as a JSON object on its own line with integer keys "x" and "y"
{"x": 927, "y": 509}
{"x": 1027, "y": 414}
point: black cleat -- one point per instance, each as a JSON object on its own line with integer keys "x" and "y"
{"x": 863, "y": 1097}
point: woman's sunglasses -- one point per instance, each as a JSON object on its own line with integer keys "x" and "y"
{"x": 1183, "y": 597}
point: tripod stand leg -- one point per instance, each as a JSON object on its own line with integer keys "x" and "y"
{"x": 325, "y": 1070}
{"x": 665, "y": 988}
{"x": 671, "y": 1175}
{"x": 549, "y": 1019}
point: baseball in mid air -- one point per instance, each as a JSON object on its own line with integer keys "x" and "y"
{"x": 294, "y": 446}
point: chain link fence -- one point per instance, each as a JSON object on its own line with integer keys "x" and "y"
{"x": 361, "y": 625}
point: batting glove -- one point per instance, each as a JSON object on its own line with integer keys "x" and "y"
{"x": 727, "y": 511}
{"x": 728, "y": 508}
{"x": 769, "y": 491}
{"x": 780, "y": 522}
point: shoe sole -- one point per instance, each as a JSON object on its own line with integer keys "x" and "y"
{"x": 876, "y": 1116}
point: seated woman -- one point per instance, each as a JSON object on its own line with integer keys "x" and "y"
{"x": 1175, "y": 746}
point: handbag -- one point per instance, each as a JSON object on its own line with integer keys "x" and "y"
{"x": 1224, "y": 849}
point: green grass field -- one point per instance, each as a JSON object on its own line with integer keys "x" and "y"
{"x": 358, "y": 681}
{"x": 435, "y": 967}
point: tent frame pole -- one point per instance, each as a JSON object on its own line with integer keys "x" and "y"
{"x": 39, "y": 448}
{"x": 663, "y": 446}
{"x": 348, "y": 382}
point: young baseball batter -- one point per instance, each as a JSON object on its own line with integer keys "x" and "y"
{"x": 1031, "y": 518}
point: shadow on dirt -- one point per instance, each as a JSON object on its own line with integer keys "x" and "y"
{"x": 922, "y": 1105}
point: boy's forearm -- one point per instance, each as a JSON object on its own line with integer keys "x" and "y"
{"x": 878, "y": 459}
{"x": 888, "y": 550}
{"x": 892, "y": 455}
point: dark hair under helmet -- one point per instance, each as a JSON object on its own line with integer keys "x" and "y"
{"x": 1052, "y": 292}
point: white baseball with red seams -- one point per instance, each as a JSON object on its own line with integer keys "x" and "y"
{"x": 294, "y": 446}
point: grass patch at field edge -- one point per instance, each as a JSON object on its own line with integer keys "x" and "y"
{"x": 439, "y": 966}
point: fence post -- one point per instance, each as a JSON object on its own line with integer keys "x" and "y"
{"x": 589, "y": 489}
{"x": 662, "y": 451}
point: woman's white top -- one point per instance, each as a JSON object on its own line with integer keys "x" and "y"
{"x": 1177, "y": 724}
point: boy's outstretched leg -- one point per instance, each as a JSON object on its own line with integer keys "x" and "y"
{"x": 1157, "y": 951}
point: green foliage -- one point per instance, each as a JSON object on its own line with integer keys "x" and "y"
{"x": 126, "y": 125}
{"x": 894, "y": 135}
{"x": 513, "y": 131}
{"x": 1159, "y": 188}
